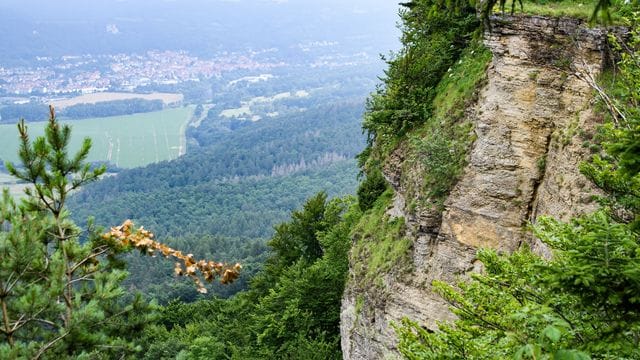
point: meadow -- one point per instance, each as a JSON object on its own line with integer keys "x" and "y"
{"x": 7, "y": 181}
{"x": 125, "y": 141}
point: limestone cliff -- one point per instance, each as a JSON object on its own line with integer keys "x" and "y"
{"x": 530, "y": 120}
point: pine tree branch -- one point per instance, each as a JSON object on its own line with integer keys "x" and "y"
{"x": 49, "y": 345}
{"x": 68, "y": 292}
{"x": 22, "y": 322}
{"x": 42, "y": 198}
{"x": 18, "y": 323}
{"x": 46, "y": 322}
{"x": 100, "y": 250}
{"x": 9, "y": 287}
{"x": 85, "y": 277}
{"x": 5, "y": 320}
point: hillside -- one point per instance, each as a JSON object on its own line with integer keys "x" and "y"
{"x": 493, "y": 146}
{"x": 223, "y": 199}
{"x": 497, "y": 214}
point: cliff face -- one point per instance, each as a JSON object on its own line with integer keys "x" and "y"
{"x": 531, "y": 120}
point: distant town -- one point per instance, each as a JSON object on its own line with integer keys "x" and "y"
{"x": 74, "y": 75}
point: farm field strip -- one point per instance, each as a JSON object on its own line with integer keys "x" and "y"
{"x": 167, "y": 98}
{"x": 16, "y": 189}
{"x": 126, "y": 141}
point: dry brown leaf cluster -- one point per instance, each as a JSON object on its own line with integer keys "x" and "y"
{"x": 141, "y": 239}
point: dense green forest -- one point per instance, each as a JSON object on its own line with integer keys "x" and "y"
{"x": 239, "y": 177}
{"x": 111, "y": 108}
{"x": 10, "y": 114}
{"x": 291, "y": 309}
{"x": 221, "y": 201}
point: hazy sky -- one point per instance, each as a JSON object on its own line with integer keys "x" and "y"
{"x": 78, "y": 26}
{"x": 55, "y": 10}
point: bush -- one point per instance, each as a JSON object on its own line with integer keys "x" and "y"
{"x": 370, "y": 189}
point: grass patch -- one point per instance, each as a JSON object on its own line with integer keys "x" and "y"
{"x": 566, "y": 8}
{"x": 359, "y": 304}
{"x": 570, "y": 131}
{"x": 458, "y": 87}
{"x": 541, "y": 163}
{"x": 16, "y": 188}
{"x": 126, "y": 141}
{"x": 380, "y": 245}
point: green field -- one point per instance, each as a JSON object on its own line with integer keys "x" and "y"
{"x": 126, "y": 141}
{"x": 8, "y": 181}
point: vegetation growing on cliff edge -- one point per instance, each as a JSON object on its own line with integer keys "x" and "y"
{"x": 379, "y": 244}
{"x": 571, "y": 8}
{"x": 427, "y": 87}
{"x": 602, "y": 11}
{"x": 421, "y": 107}
{"x": 433, "y": 36}
{"x": 440, "y": 145}
{"x": 584, "y": 302}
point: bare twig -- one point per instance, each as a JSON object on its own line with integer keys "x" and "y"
{"x": 615, "y": 112}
